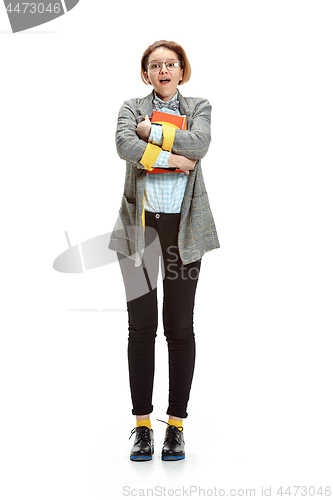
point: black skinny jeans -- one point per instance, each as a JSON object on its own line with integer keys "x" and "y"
{"x": 179, "y": 286}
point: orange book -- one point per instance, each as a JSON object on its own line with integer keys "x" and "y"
{"x": 174, "y": 121}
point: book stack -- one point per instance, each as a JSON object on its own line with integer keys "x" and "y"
{"x": 175, "y": 121}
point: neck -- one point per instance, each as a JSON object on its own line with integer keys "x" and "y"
{"x": 165, "y": 98}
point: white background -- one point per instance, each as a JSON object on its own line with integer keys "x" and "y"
{"x": 260, "y": 412}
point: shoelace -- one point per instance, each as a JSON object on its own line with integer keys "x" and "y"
{"x": 142, "y": 433}
{"x": 171, "y": 433}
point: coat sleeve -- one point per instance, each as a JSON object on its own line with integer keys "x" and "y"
{"x": 194, "y": 144}
{"x": 129, "y": 145}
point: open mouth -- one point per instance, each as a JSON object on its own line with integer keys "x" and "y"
{"x": 165, "y": 80}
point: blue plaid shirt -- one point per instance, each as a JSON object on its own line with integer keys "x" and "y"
{"x": 164, "y": 192}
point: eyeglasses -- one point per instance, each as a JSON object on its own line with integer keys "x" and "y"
{"x": 171, "y": 65}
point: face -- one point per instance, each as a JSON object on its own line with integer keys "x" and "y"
{"x": 164, "y": 80}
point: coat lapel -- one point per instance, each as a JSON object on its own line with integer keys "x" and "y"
{"x": 146, "y": 107}
{"x": 185, "y": 110}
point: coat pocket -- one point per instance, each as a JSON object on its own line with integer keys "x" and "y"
{"x": 128, "y": 211}
{"x": 201, "y": 216}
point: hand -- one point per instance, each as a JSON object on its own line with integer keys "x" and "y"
{"x": 144, "y": 128}
{"x": 182, "y": 163}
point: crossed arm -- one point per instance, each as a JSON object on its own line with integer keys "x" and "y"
{"x": 187, "y": 146}
{"x": 165, "y": 159}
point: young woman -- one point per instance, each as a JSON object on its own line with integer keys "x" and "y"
{"x": 163, "y": 215}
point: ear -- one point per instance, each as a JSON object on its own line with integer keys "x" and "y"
{"x": 181, "y": 76}
{"x": 147, "y": 79}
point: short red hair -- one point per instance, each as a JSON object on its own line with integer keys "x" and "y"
{"x": 185, "y": 64}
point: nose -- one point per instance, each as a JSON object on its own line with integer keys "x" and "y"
{"x": 166, "y": 69}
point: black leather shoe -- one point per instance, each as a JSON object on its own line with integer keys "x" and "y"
{"x": 143, "y": 447}
{"x": 174, "y": 443}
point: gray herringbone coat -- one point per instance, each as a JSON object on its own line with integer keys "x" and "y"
{"x": 197, "y": 232}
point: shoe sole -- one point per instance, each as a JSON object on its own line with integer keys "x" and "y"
{"x": 173, "y": 457}
{"x": 142, "y": 458}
